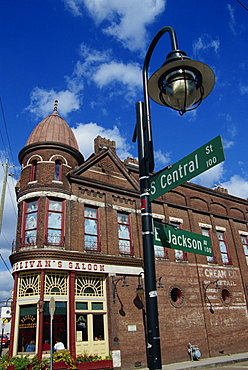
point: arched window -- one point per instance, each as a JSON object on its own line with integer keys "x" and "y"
{"x": 58, "y": 170}
{"x": 33, "y": 171}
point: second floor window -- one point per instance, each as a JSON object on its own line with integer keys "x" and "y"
{"x": 124, "y": 234}
{"x": 91, "y": 232}
{"x": 223, "y": 248}
{"x": 55, "y": 222}
{"x": 30, "y": 222}
{"x": 244, "y": 240}
{"x": 33, "y": 170}
{"x": 58, "y": 170}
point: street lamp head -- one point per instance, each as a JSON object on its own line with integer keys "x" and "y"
{"x": 181, "y": 83}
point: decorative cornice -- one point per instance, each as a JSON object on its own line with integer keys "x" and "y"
{"x": 51, "y": 145}
{"x": 58, "y": 254}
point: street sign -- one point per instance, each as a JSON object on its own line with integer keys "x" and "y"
{"x": 169, "y": 237}
{"x": 52, "y": 307}
{"x": 201, "y": 160}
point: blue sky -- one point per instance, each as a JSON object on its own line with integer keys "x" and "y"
{"x": 88, "y": 54}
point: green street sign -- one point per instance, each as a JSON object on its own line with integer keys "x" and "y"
{"x": 183, "y": 240}
{"x": 201, "y": 160}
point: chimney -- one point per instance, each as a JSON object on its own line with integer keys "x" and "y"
{"x": 101, "y": 143}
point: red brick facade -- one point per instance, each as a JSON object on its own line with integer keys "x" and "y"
{"x": 191, "y": 309}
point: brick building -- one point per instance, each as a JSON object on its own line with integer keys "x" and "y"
{"x": 79, "y": 241}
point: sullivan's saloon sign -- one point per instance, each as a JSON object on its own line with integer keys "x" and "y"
{"x": 169, "y": 237}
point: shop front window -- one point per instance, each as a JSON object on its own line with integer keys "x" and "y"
{"x": 59, "y": 323}
{"x": 27, "y": 327}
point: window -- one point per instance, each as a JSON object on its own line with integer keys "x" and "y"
{"x": 207, "y": 232}
{"x": 223, "y": 248}
{"x": 27, "y": 326}
{"x": 33, "y": 171}
{"x": 30, "y": 222}
{"x": 159, "y": 250}
{"x": 55, "y": 222}
{"x": 124, "y": 234}
{"x": 58, "y": 170}
{"x": 91, "y": 233}
{"x": 244, "y": 240}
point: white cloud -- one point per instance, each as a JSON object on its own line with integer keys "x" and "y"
{"x": 6, "y": 285}
{"x": 237, "y": 186}
{"x": 236, "y": 28}
{"x": 208, "y": 178}
{"x": 86, "y": 133}
{"x": 205, "y": 43}
{"x": 42, "y": 102}
{"x": 227, "y": 144}
{"x": 126, "y": 20}
{"x": 243, "y": 89}
{"x": 98, "y": 67}
{"x": 161, "y": 159}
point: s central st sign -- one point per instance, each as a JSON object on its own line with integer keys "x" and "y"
{"x": 201, "y": 160}
{"x": 183, "y": 240}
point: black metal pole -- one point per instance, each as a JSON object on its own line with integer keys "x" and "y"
{"x": 1, "y": 348}
{"x": 153, "y": 338}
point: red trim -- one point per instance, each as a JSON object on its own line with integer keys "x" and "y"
{"x": 41, "y": 315}
{"x": 33, "y": 170}
{"x": 13, "y": 312}
{"x": 72, "y": 328}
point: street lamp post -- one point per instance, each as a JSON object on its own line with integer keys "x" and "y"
{"x": 181, "y": 84}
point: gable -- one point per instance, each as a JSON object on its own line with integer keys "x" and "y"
{"x": 106, "y": 168}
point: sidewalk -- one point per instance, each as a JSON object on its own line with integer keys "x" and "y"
{"x": 207, "y": 362}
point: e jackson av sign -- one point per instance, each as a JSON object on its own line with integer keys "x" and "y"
{"x": 74, "y": 266}
{"x": 183, "y": 240}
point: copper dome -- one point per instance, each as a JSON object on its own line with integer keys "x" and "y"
{"x": 53, "y": 129}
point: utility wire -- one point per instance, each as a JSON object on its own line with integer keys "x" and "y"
{"x": 242, "y": 5}
{"x": 5, "y": 264}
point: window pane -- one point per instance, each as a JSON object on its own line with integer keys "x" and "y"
{"x": 97, "y": 306}
{"x": 98, "y": 331}
{"x": 224, "y": 258}
{"x": 124, "y": 246}
{"x": 220, "y": 235}
{"x": 82, "y": 332}
{"x": 91, "y": 227}
{"x": 122, "y": 218}
{"x": 55, "y": 205}
{"x": 159, "y": 251}
{"x": 32, "y": 206}
{"x": 90, "y": 212}
{"x": 222, "y": 247}
{"x": 81, "y": 305}
{"x": 90, "y": 242}
{"x": 123, "y": 232}
{"x": 179, "y": 255}
{"x": 31, "y": 221}
{"x": 54, "y": 220}
{"x": 54, "y": 236}
{"x": 30, "y": 237}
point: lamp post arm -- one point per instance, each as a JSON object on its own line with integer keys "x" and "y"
{"x": 147, "y": 121}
